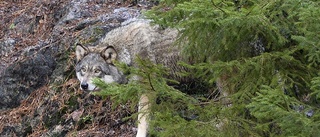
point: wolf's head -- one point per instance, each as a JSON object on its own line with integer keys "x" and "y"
{"x": 96, "y": 63}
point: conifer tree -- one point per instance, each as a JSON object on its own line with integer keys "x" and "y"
{"x": 267, "y": 54}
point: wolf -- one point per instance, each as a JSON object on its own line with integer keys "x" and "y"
{"x": 135, "y": 37}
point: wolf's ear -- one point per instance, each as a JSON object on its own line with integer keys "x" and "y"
{"x": 81, "y": 51}
{"x": 109, "y": 54}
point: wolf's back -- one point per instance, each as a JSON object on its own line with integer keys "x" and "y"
{"x": 138, "y": 38}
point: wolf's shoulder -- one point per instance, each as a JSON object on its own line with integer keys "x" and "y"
{"x": 133, "y": 33}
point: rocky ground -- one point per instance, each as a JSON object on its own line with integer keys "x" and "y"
{"x": 39, "y": 94}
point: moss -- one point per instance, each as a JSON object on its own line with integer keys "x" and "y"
{"x": 52, "y": 119}
{"x": 72, "y": 102}
{"x": 84, "y": 120}
{"x": 27, "y": 129}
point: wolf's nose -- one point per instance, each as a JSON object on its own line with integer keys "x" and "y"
{"x": 84, "y": 86}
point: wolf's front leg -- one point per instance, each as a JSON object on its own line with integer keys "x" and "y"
{"x": 143, "y": 116}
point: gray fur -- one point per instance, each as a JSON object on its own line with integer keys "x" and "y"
{"x": 137, "y": 37}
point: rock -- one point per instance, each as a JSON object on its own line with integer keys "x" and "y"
{"x": 6, "y": 46}
{"x": 119, "y": 15}
{"x": 21, "y": 78}
{"x": 76, "y": 9}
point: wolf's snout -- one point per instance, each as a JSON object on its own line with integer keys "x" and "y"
{"x": 84, "y": 86}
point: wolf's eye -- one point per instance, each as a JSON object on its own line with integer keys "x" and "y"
{"x": 83, "y": 69}
{"x": 97, "y": 71}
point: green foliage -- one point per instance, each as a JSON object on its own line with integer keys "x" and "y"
{"x": 265, "y": 54}
{"x": 85, "y": 119}
{"x": 315, "y": 87}
{"x": 254, "y": 43}
{"x": 12, "y": 26}
{"x": 225, "y": 29}
{"x": 280, "y": 114}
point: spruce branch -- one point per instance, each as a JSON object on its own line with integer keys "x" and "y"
{"x": 212, "y": 1}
